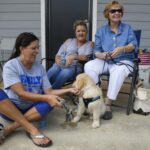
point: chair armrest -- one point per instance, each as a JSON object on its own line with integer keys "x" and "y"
{"x": 47, "y": 59}
{"x": 137, "y": 60}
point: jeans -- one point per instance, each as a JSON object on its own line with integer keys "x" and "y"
{"x": 58, "y": 75}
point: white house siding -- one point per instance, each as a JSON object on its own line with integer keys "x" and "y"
{"x": 137, "y": 14}
{"x": 17, "y": 16}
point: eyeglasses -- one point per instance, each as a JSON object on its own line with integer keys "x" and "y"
{"x": 112, "y": 11}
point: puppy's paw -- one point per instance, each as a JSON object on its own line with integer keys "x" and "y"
{"x": 76, "y": 119}
{"x": 95, "y": 124}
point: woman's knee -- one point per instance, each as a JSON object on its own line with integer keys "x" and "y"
{"x": 89, "y": 69}
{"x": 87, "y": 66}
{"x": 67, "y": 73}
{"x": 121, "y": 72}
{"x": 53, "y": 70}
{"x": 4, "y": 105}
{"x": 43, "y": 108}
{"x": 3, "y": 95}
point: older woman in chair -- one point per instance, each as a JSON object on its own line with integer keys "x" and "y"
{"x": 115, "y": 43}
{"x": 72, "y": 51}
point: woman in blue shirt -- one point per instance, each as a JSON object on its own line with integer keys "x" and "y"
{"x": 28, "y": 93}
{"x": 114, "y": 42}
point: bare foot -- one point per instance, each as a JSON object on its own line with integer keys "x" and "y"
{"x": 108, "y": 107}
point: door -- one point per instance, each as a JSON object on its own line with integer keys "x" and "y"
{"x": 60, "y": 15}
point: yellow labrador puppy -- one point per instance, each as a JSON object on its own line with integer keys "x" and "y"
{"x": 90, "y": 98}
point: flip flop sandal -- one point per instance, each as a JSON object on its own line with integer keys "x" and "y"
{"x": 2, "y": 137}
{"x": 39, "y": 136}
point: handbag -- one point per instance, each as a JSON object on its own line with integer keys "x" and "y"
{"x": 142, "y": 101}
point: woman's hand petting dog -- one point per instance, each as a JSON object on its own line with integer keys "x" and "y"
{"x": 74, "y": 91}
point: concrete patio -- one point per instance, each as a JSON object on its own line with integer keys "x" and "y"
{"x": 121, "y": 133}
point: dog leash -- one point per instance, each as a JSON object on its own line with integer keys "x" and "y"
{"x": 115, "y": 62}
{"x": 69, "y": 114}
{"x": 2, "y": 137}
{"x": 119, "y": 63}
{"x": 99, "y": 79}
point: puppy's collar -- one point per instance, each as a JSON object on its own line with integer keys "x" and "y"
{"x": 89, "y": 100}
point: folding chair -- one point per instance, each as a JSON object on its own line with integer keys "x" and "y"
{"x": 134, "y": 76}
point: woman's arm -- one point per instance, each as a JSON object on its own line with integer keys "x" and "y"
{"x": 57, "y": 59}
{"x": 115, "y": 52}
{"x": 122, "y": 49}
{"x": 61, "y": 91}
{"x": 82, "y": 57}
{"x": 25, "y": 95}
{"x": 101, "y": 55}
{"x": 88, "y": 52}
{"x": 20, "y": 91}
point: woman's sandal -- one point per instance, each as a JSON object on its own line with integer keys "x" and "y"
{"x": 108, "y": 114}
{"x": 39, "y": 136}
{"x": 2, "y": 137}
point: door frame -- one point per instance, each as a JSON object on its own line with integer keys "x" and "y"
{"x": 43, "y": 26}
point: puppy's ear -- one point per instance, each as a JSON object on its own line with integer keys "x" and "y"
{"x": 80, "y": 83}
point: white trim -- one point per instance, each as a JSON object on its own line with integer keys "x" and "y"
{"x": 94, "y": 25}
{"x": 43, "y": 48}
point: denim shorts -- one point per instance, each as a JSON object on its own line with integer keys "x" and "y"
{"x": 3, "y": 95}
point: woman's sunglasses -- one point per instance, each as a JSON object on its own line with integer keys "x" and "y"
{"x": 112, "y": 11}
